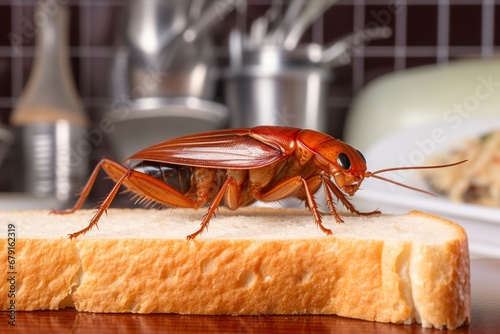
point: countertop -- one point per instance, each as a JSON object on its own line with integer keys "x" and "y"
{"x": 485, "y": 279}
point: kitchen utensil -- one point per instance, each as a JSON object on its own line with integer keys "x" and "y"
{"x": 235, "y": 47}
{"x": 196, "y": 9}
{"x": 260, "y": 27}
{"x": 149, "y": 64}
{"x": 338, "y": 53}
{"x": 275, "y": 86}
{"x": 258, "y": 32}
{"x": 160, "y": 51}
{"x": 153, "y": 24}
{"x": 49, "y": 117}
{"x": 278, "y": 35}
{"x": 308, "y": 16}
{"x": 209, "y": 18}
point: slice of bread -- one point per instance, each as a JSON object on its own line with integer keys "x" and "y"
{"x": 388, "y": 268}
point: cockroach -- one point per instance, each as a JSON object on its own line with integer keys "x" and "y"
{"x": 237, "y": 167}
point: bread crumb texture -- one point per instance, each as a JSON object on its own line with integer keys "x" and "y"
{"x": 387, "y": 268}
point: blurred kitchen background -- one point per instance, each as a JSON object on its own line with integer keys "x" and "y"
{"x": 423, "y": 32}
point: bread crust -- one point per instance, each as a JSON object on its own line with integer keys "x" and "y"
{"x": 252, "y": 261}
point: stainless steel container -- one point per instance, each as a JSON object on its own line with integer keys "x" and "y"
{"x": 274, "y": 86}
{"x": 6, "y": 139}
{"x": 54, "y": 160}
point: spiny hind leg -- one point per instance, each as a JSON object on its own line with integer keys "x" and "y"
{"x": 142, "y": 184}
{"x": 104, "y": 164}
{"x": 103, "y": 207}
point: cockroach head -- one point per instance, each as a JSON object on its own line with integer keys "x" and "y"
{"x": 346, "y": 165}
{"x": 349, "y": 170}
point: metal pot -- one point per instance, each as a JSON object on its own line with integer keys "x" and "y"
{"x": 164, "y": 50}
{"x": 275, "y": 86}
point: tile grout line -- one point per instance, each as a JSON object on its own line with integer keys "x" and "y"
{"x": 16, "y": 59}
{"x": 400, "y": 41}
{"x": 443, "y": 32}
{"x": 358, "y": 62}
{"x": 85, "y": 60}
{"x": 369, "y": 51}
{"x": 488, "y": 28}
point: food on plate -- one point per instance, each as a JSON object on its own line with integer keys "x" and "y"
{"x": 408, "y": 268}
{"x": 478, "y": 180}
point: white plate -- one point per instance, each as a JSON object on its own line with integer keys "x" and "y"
{"x": 412, "y": 147}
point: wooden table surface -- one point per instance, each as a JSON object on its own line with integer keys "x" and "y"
{"x": 485, "y": 318}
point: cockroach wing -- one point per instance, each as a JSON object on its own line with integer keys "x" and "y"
{"x": 227, "y": 149}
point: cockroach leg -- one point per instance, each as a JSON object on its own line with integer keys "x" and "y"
{"x": 230, "y": 182}
{"x": 329, "y": 185}
{"x": 141, "y": 184}
{"x": 313, "y": 206}
{"x": 103, "y": 207}
{"x": 330, "y": 204}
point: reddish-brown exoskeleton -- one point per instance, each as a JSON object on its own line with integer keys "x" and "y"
{"x": 238, "y": 167}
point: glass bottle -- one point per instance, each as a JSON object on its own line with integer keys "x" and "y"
{"x": 49, "y": 117}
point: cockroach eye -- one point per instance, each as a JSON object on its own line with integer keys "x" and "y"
{"x": 361, "y": 155}
{"x": 344, "y": 161}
